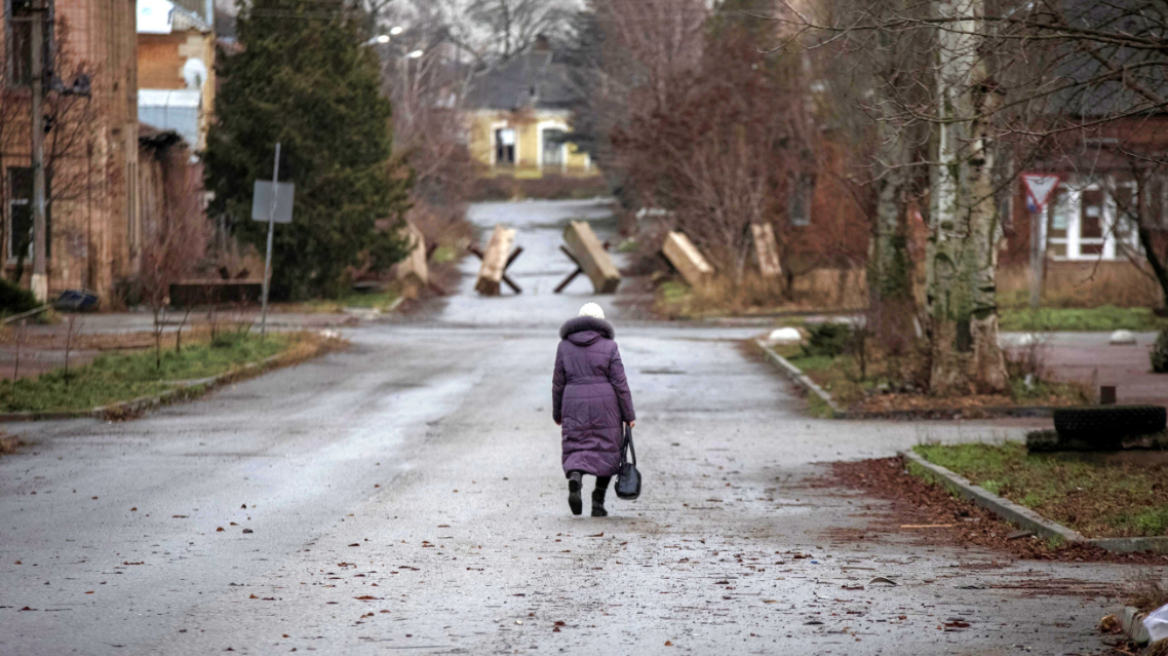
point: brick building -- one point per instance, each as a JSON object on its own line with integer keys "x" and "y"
{"x": 91, "y": 145}
{"x": 176, "y": 67}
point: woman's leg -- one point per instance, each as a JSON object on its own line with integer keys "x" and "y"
{"x": 575, "y": 482}
{"x": 598, "y": 496}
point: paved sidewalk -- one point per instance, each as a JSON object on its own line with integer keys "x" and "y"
{"x": 1088, "y": 357}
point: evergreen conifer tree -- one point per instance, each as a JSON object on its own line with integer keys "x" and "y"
{"x": 304, "y": 79}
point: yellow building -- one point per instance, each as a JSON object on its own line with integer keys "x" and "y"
{"x": 519, "y": 115}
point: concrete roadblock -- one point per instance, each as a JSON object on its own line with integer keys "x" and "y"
{"x": 413, "y": 272}
{"x": 767, "y": 249}
{"x": 591, "y": 257}
{"x": 495, "y": 261}
{"x": 687, "y": 259}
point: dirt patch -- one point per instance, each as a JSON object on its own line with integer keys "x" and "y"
{"x": 952, "y": 521}
{"x": 8, "y": 444}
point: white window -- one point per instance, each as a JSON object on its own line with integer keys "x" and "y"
{"x": 1092, "y": 219}
{"x": 554, "y": 147}
{"x": 505, "y": 146}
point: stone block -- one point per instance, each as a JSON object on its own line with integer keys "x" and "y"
{"x": 494, "y": 261}
{"x": 592, "y": 257}
{"x": 687, "y": 259}
{"x": 766, "y": 247}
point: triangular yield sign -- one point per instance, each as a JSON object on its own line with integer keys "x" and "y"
{"x": 1040, "y": 186}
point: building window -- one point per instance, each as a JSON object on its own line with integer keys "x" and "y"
{"x": 799, "y": 206}
{"x": 553, "y": 147}
{"x": 505, "y": 146}
{"x": 18, "y": 40}
{"x": 1089, "y": 220}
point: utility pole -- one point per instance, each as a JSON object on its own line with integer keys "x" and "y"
{"x": 40, "y": 279}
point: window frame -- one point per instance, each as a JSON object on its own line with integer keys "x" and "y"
{"x": 12, "y": 81}
{"x": 1111, "y": 244}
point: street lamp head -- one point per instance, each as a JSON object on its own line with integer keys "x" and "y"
{"x": 396, "y": 30}
{"x": 415, "y": 54}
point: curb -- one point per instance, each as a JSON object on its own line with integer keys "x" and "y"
{"x": 797, "y": 375}
{"x": 182, "y": 390}
{"x": 1027, "y": 518}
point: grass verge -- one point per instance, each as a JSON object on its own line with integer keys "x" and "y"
{"x": 1098, "y": 496}
{"x": 123, "y": 377}
{"x": 878, "y": 391}
{"x": 1100, "y": 319}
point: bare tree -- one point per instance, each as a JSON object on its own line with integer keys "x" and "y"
{"x": 174, "y": 245}
{"x": 1004, "y": 82}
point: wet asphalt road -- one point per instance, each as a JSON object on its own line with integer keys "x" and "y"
{"x": 405, "y": 496}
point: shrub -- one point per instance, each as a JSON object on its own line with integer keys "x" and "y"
{"x": 14, "y": 300}
{"x": 1159, "y": 353}
{"x": 829, "y": 339}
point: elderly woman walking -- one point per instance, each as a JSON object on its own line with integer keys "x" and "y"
{"x": 591, "y": 401}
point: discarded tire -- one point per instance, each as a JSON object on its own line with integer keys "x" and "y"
{"x": 1110, "y": 423}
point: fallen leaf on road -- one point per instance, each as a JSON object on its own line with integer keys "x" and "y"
{"x": 248, "y": 530}
{"x": 770, "y": 601}
{"x": 598, "y": 535}
{"x": 253, "y": 597}
{"x": 881, "y": 579}
{"x": 668, "y": 643}
{"x": 367, "y": 598}
{"x": 90, "y": 592}
{"x": 27, "y": 608}
{"x": 355, "y": 544}
{"x": 219, "y": 530}
{"x": 133, "y": 510}
{"x": 172, "y": 516}
{"x": 957, "y": 624}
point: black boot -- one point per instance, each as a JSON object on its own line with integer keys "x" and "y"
{"x": 574, "y": 485}
{"x": 598, "y": 502}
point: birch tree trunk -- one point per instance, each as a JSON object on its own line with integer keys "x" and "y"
{"x": 964, "y": 225}
{"x": 890, "y": 270}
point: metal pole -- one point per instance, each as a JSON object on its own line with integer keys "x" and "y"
{"x": 271, "y": 226}
{"x": 40, "y": 281}
{"x": 1037, "y": 254}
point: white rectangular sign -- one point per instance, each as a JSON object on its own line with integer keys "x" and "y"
{"x": 261, "y": 201}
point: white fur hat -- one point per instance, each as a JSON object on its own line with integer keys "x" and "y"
{"x": 592, "y": 310}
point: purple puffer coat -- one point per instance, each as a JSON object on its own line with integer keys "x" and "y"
{"x": 590, "y": 396}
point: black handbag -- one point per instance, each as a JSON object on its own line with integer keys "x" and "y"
{"x": 628, "y": 479}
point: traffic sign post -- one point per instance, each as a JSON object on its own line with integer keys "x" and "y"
{"x": 278, "y": 201}
{"x": 1039, "y": 189}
